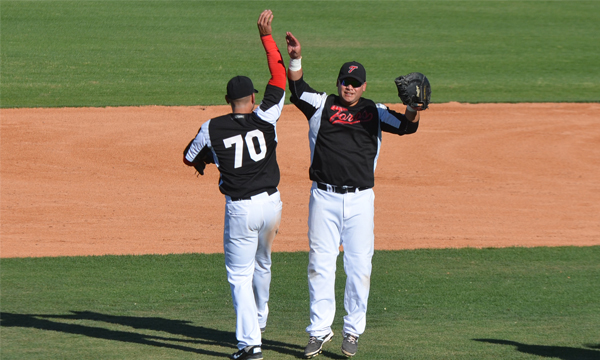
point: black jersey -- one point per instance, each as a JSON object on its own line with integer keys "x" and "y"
{"x": 243, "y": 147}
{"x": 345, "y": 141}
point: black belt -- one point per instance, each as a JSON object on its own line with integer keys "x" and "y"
{"x": 268, "y": 191}
{"x": 340, "y": 189}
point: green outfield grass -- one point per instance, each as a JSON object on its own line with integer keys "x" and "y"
{"x": 110, "y": 53}
{"x": 512, "y": 303}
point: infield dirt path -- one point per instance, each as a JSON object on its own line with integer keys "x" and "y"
{"x": 93, "y": 181}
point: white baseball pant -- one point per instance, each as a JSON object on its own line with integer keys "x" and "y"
{"x": 334, "y": 220}
{"x": 249, "y": 231}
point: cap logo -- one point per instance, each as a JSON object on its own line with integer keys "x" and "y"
{"x": 352, "y": 68}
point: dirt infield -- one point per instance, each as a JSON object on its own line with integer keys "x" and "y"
{"x": 92, "y": 181}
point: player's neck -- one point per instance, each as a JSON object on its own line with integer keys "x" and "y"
{"x": 246, "y": 109}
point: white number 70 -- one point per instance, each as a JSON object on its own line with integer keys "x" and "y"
{"x": 239, "y": 146}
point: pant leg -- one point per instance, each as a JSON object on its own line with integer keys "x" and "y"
{"x": 358, "y": 241}
{"x": 324, "y": 224}
{"x": 262, "y": 271}
{"x": 240, "y": 244}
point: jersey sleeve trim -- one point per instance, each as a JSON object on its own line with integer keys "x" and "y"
{"x": 194, "y": 148}
{"x": 394, "y": 122}
{"x": 271, "y": 106}
{"x": 306, "y": 98}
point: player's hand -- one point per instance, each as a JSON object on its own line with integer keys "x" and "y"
{"x": 264, "y": 22}
{"x": 293, "y": 46}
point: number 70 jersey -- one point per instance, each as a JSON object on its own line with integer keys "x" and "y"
{"x": 244, "y": 149}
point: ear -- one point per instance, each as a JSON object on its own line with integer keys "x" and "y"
{"x": 364, "y": 86}
{"x": 253, "y": 98}
{"x": 227, "y": 98}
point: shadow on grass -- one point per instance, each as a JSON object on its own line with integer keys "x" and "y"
{"x": 198, "y": 335}
{"x": 559, "y": 352}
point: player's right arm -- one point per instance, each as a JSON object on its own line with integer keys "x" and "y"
{"x": 295, "y": 52}
{"x": 303, "y": 96}
{"x": 271, "y": 106}
{"x": 274, "y": 58}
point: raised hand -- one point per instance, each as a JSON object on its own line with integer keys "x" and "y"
{"x": 293, "y": 46}
{"x": 264, "y": 22}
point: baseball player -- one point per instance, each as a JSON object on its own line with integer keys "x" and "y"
{"x": 344, "y": 138}
{"x": 242, "y": 145}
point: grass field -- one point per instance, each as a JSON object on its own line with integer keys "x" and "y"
{"x": 512, "y": 303}
{"x": 110, "y": 53}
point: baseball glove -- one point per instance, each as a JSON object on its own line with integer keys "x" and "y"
{"x": 199, "y": 166}
{"x": 414, "y": 90}
{"x": 204, "y": 157}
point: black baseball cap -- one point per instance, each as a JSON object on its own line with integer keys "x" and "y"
{"x": 354, "y": 70}
{"x": 239, "y": 87}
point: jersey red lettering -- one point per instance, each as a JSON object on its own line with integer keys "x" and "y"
{"x": 343, "y": 116}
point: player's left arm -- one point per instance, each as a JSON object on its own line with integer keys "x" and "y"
{"x": 198, "y": 152}
{"x": 412, "y": 115}
{"x": 397, "y": 123}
